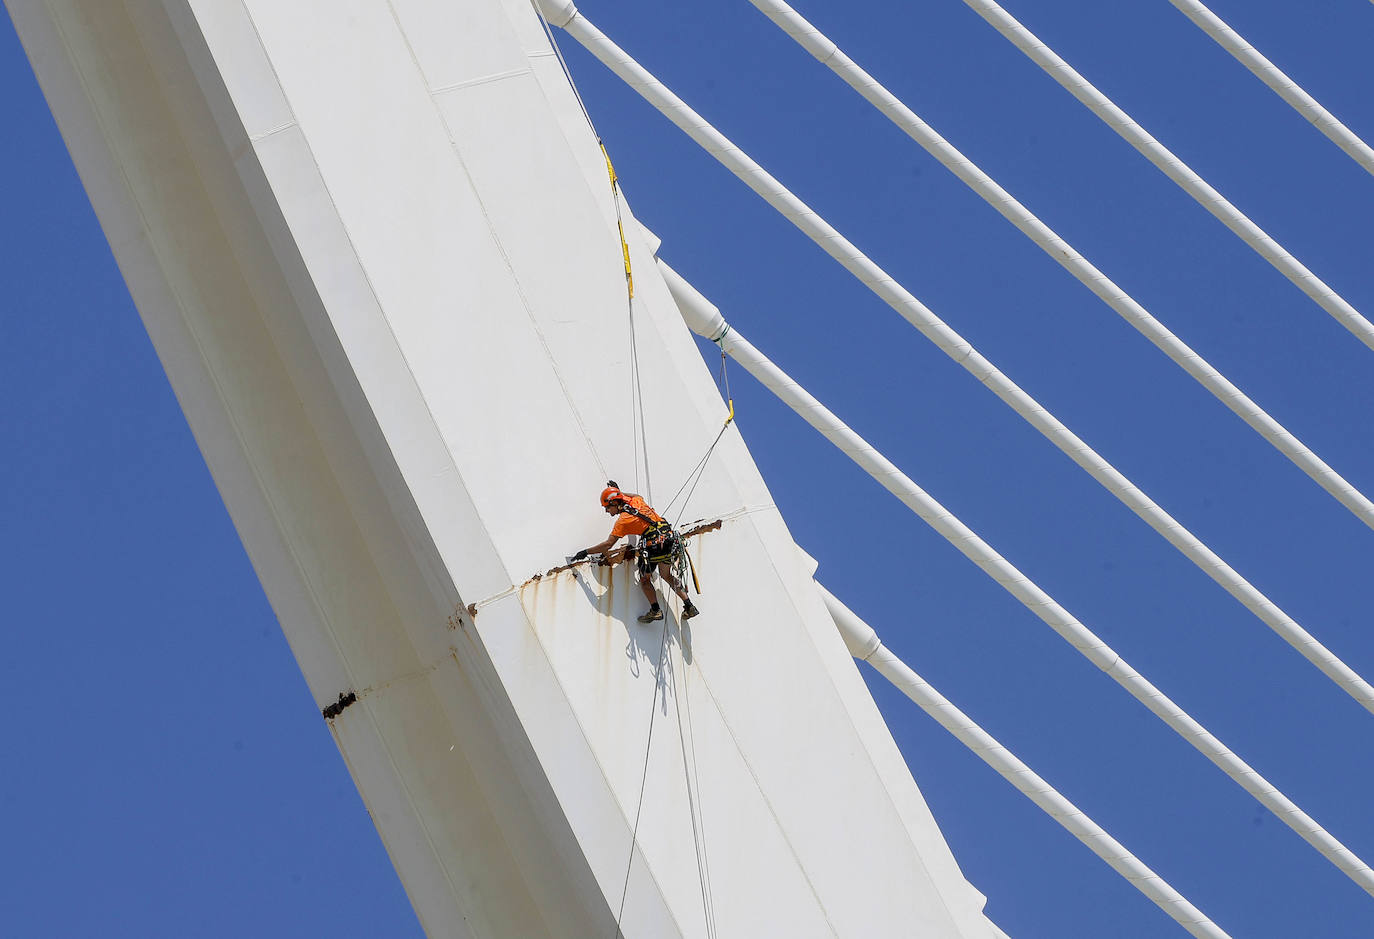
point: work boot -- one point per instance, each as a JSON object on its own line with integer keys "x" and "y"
{"x": 688, "y": 611}
{"x": 651, "y": 614}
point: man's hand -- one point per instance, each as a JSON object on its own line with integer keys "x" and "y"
{"x": 580, "y": 555}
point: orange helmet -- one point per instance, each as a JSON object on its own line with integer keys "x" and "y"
{"x": 611, "y": 494}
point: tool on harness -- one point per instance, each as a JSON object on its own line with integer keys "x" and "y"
{"x": 696, "y": 584}
{"x": 660, "y": 543}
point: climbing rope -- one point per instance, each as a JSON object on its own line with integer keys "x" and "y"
{"x": 689, "y": 773}
{"x": 640, "y": 447}
{"x": 694, "y": 477}
{"x": 640, "y": 425}
{"x": 643, "y": 780}
{"x": 639, "y": 441}
{"x": 682, "y": 561}
{"x": 548, "y": 34}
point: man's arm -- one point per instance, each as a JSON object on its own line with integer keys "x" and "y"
{"x": 601, "y": 548}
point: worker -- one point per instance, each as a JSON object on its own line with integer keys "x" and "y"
{"x": 658, "y": 546}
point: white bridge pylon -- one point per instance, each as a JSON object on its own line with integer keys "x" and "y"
{"x": 382, "y": 296}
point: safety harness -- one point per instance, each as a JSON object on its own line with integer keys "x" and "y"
{"x": 661, "y": 542}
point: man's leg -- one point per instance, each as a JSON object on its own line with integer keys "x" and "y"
{"x": 653, "y": 612}
{"x": 666, "y": 573}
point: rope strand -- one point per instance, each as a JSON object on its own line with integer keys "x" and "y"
{"x": 640, "y": 447}
{"x": 723, "y": 381}
{"x": 693, "y": 806}
{"x": 643, "y": 781}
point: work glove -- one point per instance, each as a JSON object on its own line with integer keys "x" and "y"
{"x": 580, "y": 555}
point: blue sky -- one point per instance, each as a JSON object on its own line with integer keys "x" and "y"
{"x": 167, "y": 773}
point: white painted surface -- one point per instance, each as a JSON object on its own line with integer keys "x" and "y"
{"x": 390, "y": 300}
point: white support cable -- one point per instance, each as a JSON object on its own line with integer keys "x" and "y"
{"x": 1173, "y": 167}
{"x": 1282, "y": 85}
{"x": 1061, "y": 251}
{"x": 705, "y": 318}
{"x": 700, "y": 320}
{"x": 955, "y": 346}
{"x": 864, "y": 644}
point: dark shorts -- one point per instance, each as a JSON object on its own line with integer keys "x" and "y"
{"x": 651, "y": 554}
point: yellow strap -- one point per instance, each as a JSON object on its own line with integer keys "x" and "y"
{"x": 609, "y": 168}
{"x": 725, "y": 380}
{"x": 624, "y": 246}
{"x": 625, "y": 249}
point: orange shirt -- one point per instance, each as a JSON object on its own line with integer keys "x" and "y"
{"x": 627, "y": 524}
